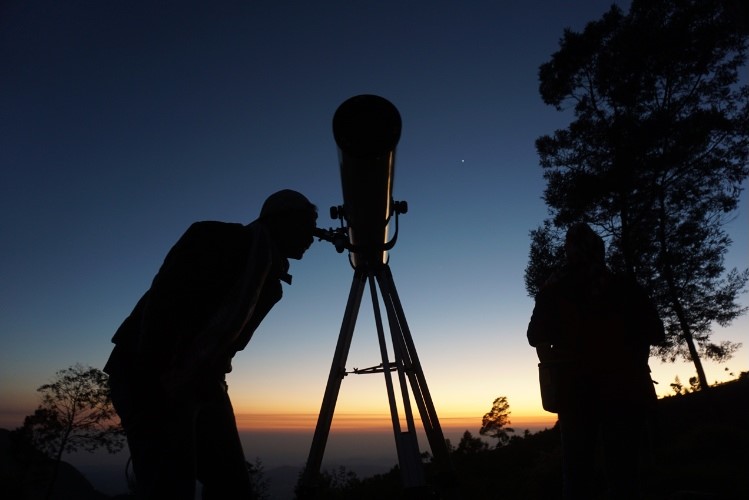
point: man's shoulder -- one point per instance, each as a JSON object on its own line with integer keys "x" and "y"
{"x": 215, "y": 226}
{"x": 209, "y": 237}
{"x": 559, "y": 281}
{"x": 215, "y": 231}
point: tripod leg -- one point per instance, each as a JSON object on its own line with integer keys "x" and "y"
{"x": 405, "y": 442}
{"x": 402, "y": 364}
{"x": 402, "y": 336}
{"x": 337, "y": 372}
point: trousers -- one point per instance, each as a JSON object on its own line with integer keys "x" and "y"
{"x": 175, "y": 442}
{"x": 603, "y": 450}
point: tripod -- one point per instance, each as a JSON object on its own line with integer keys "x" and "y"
{"x": 407, "y": 367}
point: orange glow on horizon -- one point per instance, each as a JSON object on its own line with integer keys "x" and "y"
{"x": 374, "y": 422}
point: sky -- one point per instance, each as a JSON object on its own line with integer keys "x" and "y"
{"x": 121, "y": 123}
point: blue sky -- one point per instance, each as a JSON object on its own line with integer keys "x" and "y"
{"x": 121, "y": 123}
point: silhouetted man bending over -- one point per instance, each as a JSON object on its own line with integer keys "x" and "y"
{"x": 171, "y": 354}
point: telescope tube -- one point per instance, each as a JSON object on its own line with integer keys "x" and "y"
{"x": 367, "y": 129}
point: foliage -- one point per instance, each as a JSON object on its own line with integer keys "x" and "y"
{"x": 76, "y": 412}
{"x": 340, "y": 478}
{"x": 654, "y": 158}
{"x": 339, "y": 483}
{"x": 259, "y": 482}
{"x": 494, "y": 424}
{"x": 467, "y": 445}
{"x": 679, "y": 389}
{"x": 546, "y": 255}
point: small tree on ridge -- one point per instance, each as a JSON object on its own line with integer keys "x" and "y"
{"x": 494, "y": 424}
{"x": 76, "y": 413}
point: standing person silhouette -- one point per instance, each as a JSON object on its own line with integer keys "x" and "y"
{"x": 167, "y": 369}
{"x": 594, "y": 329}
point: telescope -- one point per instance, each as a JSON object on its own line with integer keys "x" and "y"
{"x": 366, "y": 129}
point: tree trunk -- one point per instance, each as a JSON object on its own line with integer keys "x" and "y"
{"x": 58, "y": 459}
{"x": 668, "y": 274}
{"x": 629, "y": 265}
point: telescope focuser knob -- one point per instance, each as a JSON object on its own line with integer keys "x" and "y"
{"x": 337, "y": 212}
{"x": 401, "y": 207}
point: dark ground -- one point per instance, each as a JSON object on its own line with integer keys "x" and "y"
{"x": 700, "y": 451}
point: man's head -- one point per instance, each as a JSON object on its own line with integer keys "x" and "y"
{"x": 583, "y": 246}
{"x": 291, "y": 219}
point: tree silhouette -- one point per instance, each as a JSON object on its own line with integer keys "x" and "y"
{"x": 494, "y": 424}
{"x": 468, "y": 445}
{"x": 654, "y": 158}
{"x": 258, "y": 480}
{"x": 546, "y": 255}
{"x": 76, "y": 412}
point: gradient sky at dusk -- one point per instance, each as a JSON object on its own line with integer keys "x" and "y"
{"x": 122, "y": 122}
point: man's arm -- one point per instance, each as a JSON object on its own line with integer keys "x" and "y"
{"x": 202, "y": 297}
{"x": 541, "y": 327}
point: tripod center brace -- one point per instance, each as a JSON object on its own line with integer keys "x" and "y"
{"x": 406, "y": 365}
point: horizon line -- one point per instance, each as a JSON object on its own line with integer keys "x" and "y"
{"x": 368, "y": 422}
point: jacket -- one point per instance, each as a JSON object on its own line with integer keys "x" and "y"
{"x": 600, "y": 326}
{"x": 216, "y": 285}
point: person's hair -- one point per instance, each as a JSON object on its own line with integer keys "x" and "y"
{"x": 284, "y": 202}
